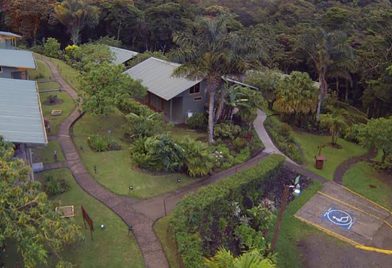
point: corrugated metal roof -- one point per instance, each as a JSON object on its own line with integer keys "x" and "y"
{"x": 17, "y": 58}
{"x": 122, "y": 55}
{"x": 21, "y": 118}
{"x": 157, "y": 76}
{"x": 9, "y": 34}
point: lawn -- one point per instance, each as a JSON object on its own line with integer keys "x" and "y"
{"x": 179, "y": 132}
{"x": 46, "y": 154}
{"x": 70, "y": 74}
{"x": 115, "y": 169}
{"x": 42, "y": 72}
{"x": 161, "y": 228}
{"x": 365, "y": 180}
{"x": 66, "y": 104}
{"x": 112, "y": 247}
{"x": 292, "y": 230}
{"x": 309, "y": 145}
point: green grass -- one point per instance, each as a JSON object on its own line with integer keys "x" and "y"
{"x": 161, "y": 228}
{"x": 365, "y": 180}
{"x": 45, "y": 154}
{"x": 48, "y": 86}
{"x": 112, "y": 247}
{"x": 67, "y": 106}
{"x": 309, "y": 145}
{"x": 70, "y": 74}
{"x": 41, "y": 73}
{"x": 293, "y": 230}
{"x": 179, "y": 132}
{"x": 115, "y": 170}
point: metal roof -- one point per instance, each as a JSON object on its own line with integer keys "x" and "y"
{"x": 21, "y": 118}
{"x": 9, "y": 34}
{"x": 17, "y": 58}
{"x": 122, "y": 55}
{"x": 157, "y": 76}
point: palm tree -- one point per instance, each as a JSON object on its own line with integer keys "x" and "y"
{"x": 210, "y": 52}
{"x": 250, "y": 259}
{"x": 75, "y": 15}
{"x": 324, "y": 49}
{"x": 335, "y": 123}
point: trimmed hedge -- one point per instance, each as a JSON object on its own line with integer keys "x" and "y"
{"x": 191, "y": 214}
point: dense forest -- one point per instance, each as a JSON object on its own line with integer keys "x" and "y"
{"x": 345, "y": 43}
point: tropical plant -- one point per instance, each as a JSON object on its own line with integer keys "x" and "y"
{"x": 227, "y": 131}
{"x": 328, "y": 52}
{"x": 210, "y": 52}
{"x": 198, "y": 157}
{"x": 54, "y": 186}
{"x": 250, "y": 259}
{"x": 158, "y": 153}
{"x": 296, "y": 95}
{"x": 335, "y": 123}
{"x": 197, "y": 121}
{"x": 75, "y": 15}
{"x": 143, "y": 125}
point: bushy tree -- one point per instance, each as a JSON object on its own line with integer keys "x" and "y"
{"x": 105, "y": 85}
{"x": 27, "y": 216}
{"x": 377, "y": 133}
{"x": 52, "y": 48}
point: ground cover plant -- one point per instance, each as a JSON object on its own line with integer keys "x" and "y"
{"x": 206, "y": 220}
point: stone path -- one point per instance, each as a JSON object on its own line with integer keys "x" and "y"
{"x": 346, "y": 165}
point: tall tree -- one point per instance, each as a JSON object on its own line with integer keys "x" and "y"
{"x": 210, "y": 51}
{"x": 76, "y": 15}
{"x": 323, "y": 50}
{"x": 335, "y": 123}
{"x": 25, "y": 16}
{"x": 27, "y": 216}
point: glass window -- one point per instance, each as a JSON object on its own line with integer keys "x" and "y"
{"x": 195, "y": 89}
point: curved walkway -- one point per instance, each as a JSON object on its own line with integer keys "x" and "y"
{"x": 139, "y": 214}
{"x": 346, "y": 165}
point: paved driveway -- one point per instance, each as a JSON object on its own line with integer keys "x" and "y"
{"x": 349, "y": 217}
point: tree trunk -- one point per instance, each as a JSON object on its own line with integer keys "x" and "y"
{"x": 323, "y": 92}
{"x": 212, "y": 85}
{"x": 346, "y": 94}
{"x": 75, "y": 32}
{"x": 119, "y": 31}
{"x": 221, "y": 105}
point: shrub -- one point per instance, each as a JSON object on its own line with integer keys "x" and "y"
{"x": 194, "y": 215}
{"x": 197, "y": 121}
{"x": 158, "y": 153}
{"x": 222, "y": 156}
{"x": 227, "y": 131}
{"x": 140, "y": 126}
{"x": 127, "y": 106}
{"x": 280, "y": 134}
{"x": 53, "y": 186}
{"x": 52, "y": 48}
{"x": 99, "y": 143}
{"x": 198, "y": 158}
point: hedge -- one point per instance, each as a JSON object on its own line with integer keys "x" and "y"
{"x": 191, "y": 213}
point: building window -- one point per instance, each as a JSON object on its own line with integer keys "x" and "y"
{"x": 1, "y": 69}
{"x": 195, "y": 89}
{"x": 197, "y": 99}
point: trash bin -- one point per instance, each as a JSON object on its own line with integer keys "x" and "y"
{"x": 320, "y": 159}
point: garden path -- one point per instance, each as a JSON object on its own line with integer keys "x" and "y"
{"x": 346, "y": 165}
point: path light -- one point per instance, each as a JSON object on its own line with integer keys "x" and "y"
{"x": 178, "y": 180}
{"x": 102, "y": 226}
{"x": 130, "y": 188}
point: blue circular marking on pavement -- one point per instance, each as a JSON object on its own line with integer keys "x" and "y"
{"x": 339, "y": 217}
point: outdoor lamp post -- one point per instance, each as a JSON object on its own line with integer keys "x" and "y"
{"x": 283, "y": 204}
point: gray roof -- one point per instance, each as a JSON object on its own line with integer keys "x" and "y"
{"x": 157, "y": 76}
{"x": 9, "y": 34}
{"x": 21, "y": 118}
{"x": 17, "y": 58}
{"x": 122, "y": 55}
